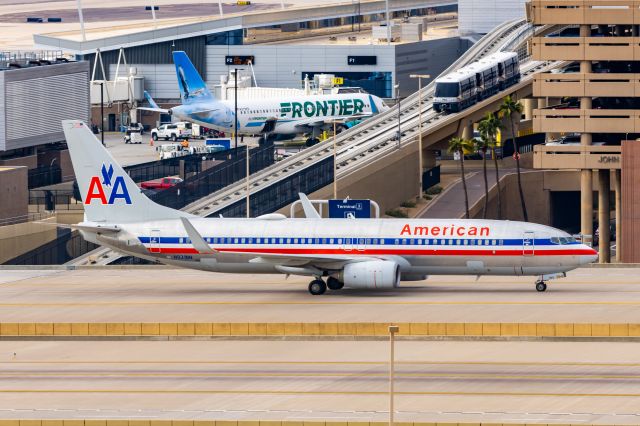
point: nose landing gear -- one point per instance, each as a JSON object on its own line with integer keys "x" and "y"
{"x": 541, "y": 285}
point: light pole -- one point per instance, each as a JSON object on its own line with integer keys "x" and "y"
{"x": 420, "y": 166}
{"x": 248, "y": 190}
{"x": 393, "y": 329}
{"x": 399, "y": 137}
{"x": 335, "y": 158}
{"x": 102, "y": 112}
{"x": 235, "y": 106}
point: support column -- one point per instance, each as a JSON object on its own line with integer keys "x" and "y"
{"x": 617, "y": 185}
{"x": 604, "y": 216}
{"x": 586, "y": 205}
{"x": 428, "y": 159}
{"x": 467, "y": 131}
{"x": 586, "y": 176}
{"x": 528, "y": 108}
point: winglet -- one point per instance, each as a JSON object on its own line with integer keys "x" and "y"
{"x": 196, "y": 239}
{"x": 309, "y": 211}
{"x": 149, "y": 99}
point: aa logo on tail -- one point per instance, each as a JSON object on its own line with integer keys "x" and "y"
{"x": 98, "y": 188}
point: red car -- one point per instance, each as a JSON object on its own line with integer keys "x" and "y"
{"x": 162, "y": 183}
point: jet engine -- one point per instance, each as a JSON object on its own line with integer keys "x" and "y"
{"x": 371, "y": 274}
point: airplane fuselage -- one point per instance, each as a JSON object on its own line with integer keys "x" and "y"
{"x": 280, "y": 116}
{"x": 419, "y": 247}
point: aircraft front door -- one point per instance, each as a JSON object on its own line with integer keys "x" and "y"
{"x": 528, "y": 244}
{"x": 154, "y": 241}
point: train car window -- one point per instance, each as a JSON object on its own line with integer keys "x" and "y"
{"x": 447, "y": 90}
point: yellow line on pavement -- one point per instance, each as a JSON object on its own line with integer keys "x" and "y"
{"x": 321, "y": 362}
{"x": 62, "y": 374}
{"x": 332, "y": 392}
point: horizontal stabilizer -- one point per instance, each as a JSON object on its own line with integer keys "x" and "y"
{"x": 160, "y": 110}
{"x": 98, "y": 229}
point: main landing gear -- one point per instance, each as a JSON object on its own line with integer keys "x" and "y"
{"x": 318, "y": 286}
{"x": 541, "y": 285}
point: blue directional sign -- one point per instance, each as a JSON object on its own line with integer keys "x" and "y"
{"x": 345, "y": 209}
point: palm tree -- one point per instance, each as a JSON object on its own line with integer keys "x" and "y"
{"x": 459, "y": 145}
{"x": 488, "y": 128}
{"x": 482, "y": 145}
{"x": 512, "y": 109}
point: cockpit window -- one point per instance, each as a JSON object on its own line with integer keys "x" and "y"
{"x": 562, "y": 240}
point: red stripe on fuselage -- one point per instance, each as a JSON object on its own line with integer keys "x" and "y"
{"x": 379, "y": 252}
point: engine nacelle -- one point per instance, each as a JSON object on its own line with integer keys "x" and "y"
{"x": 371, "y": 274}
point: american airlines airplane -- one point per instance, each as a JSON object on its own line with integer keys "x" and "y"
{"x": 286, "y": 116}
{"x": 355, "y": 253}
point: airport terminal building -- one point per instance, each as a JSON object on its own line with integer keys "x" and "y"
{"x": 284, "y": 46}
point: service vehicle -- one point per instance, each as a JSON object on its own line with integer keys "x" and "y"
{"x": 173, "y": 131}
{"x": 162, "y": 183}
{"x": 172, "y": 150}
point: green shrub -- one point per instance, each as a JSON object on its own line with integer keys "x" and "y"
{"x": 436, "y": 189}
{"x": 408, "y": 204}
{"x": 427, "y": 197}
{"x": 397, "y": 213}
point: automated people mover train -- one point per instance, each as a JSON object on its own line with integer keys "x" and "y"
{"x": 476, "y": 81}
{"x": 337, "y": 253}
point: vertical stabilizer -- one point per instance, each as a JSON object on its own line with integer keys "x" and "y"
{"x": 108, "y": 193}
{"x": 193, "y": 89}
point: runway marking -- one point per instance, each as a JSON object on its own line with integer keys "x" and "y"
{"x": 292, "y": 392}
{"x": 320, "y": 362}
{"x": 31, "y": 374}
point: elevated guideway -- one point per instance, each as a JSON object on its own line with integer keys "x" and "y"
{"x": 372, "y": 141}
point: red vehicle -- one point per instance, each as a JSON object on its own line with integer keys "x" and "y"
{"x": 162, "y": 183}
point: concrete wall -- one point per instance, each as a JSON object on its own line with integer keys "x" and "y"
{"x": 428, "y": 57}
{"x": 29, "y": 161}
{"x": 283, "y": 65}
{"x": 61, "y": 158}
{"x": 387, "y": 182}
{"x": 14, "y": 197}
{"x": 481, "y": 16}
{"x": 160, "y": 80}
{"x": 23, "y": 237}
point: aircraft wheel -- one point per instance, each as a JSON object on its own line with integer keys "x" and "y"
{"x": 311, "y": 142}
{"x": 334, "y": 284}
{"x": 541, "y": 286}
{"x": 317, "y": 287}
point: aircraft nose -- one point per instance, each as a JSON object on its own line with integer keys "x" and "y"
{"x": 589, "y": 257}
